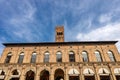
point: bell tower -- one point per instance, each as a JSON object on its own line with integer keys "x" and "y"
{"x": 59, "y": 35}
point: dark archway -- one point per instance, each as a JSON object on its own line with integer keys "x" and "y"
{"x": 89, "y": 77}
{"x": 44, "y": 75}
{"x": 14, "y": 79}
{"x": 30, "y": 75}
{"x": 73, "y": 77}
{"x": 2, "y": 74}
{"x": 117, "y": 77}
{"x": 15, "y": 73}
{"x": 105, "y": 78}
{"x": 73, "y": 74}
{"x": 59, "y": 74}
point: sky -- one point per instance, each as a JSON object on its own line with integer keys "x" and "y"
{"x": 35, "y": 20}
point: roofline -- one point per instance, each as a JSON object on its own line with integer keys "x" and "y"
{"x": 62, "y": 43}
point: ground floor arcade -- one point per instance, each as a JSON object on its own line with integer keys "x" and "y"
{"x": 59, "y": 72}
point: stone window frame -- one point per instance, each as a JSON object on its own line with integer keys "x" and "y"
{"x": 71, "y": 56}
{"x": 33, "y": 57}
{"x": 57, "y": 55}
{"x": 111, "y": 56}
{"x": 85, "y": 56}
{"x": 98, "y": 56}
{"x": 8, "y": 58}
{"x": 21, "y": 57}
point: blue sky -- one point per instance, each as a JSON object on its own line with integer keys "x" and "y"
{"x": 35, "y": 20}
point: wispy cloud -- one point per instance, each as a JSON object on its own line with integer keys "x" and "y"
{"x": 108, "y": 32}
{"x": 35, "y": 20}
{"x": 105, "y": 18}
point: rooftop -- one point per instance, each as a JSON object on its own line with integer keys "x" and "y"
{"x": 62, "y": 43}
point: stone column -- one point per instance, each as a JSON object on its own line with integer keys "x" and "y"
{"x": 37, "y": 77}
{"x": 8, "y": 73}
{"x": 51, "y": 76}
{"x": 66, "y": 74}
{"x": 7, "y": 77}
{"x": 22, "y": 77}
{"x": 111, "y": 72}
{"x": 96, "y": 74}
{"x": 80, "y": 76}
{"x": 67, "y": 77}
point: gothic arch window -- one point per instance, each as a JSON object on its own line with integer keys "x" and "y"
{"x": 21, "y": 57}
{"x": 2, "y": 72}
{"x": 59, "y": 56}
{"x": 33, "y": 58}
{"x": 85, "y": 56}
{"x": 71, "y": 56}
{"x": 98, "y": 56}
{"x": 111, "y": 56}
{"x": 2, "y": 75}
{"x": 46, "y": 57}
{"x": 15, "y": 72}
{"x": 8, "y": 58}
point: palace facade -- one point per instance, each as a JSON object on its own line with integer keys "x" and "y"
{"x": 84, "y": 60}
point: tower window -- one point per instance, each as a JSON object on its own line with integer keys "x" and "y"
{"x": 59, "y": 33}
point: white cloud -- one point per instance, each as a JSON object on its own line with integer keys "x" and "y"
{"x": 109, "y": 32}
{"x": 105, "y": 18}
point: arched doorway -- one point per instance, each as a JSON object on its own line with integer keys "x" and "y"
{"x": 117, "y": 77}
{"x": 30, "y": 75}
{"x": 2, "y": 75}
{"x": 88, "y": 74}
{"x": 44, "y": 75}
{"x": 104, "y": 77}
{"x": 104, "y": 74}
{"x": 15, "y": 75}
{"x": 59, "y": 74}
{"x": 117, "y": 73}
{"x": 73, "y": 74}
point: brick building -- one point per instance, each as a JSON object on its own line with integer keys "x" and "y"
{"x": 84, "y": 60}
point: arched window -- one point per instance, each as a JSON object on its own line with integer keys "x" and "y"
{"x": 2, "y": 73}
{"x": 15, "y": 72}
{"x": 85, "y": 56}
{"x": 71, "y": 56}
{"x": 8, "y": 58}
{"x": 59, "y": 57}
{"x": 33, "y": 58}
{"x": 21, "y": 57}
{"x": 98, "y": 56}
{"x": 46, "y": 57}
{"x": 111, "y": 56}
{"x": 15, "y": 75}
